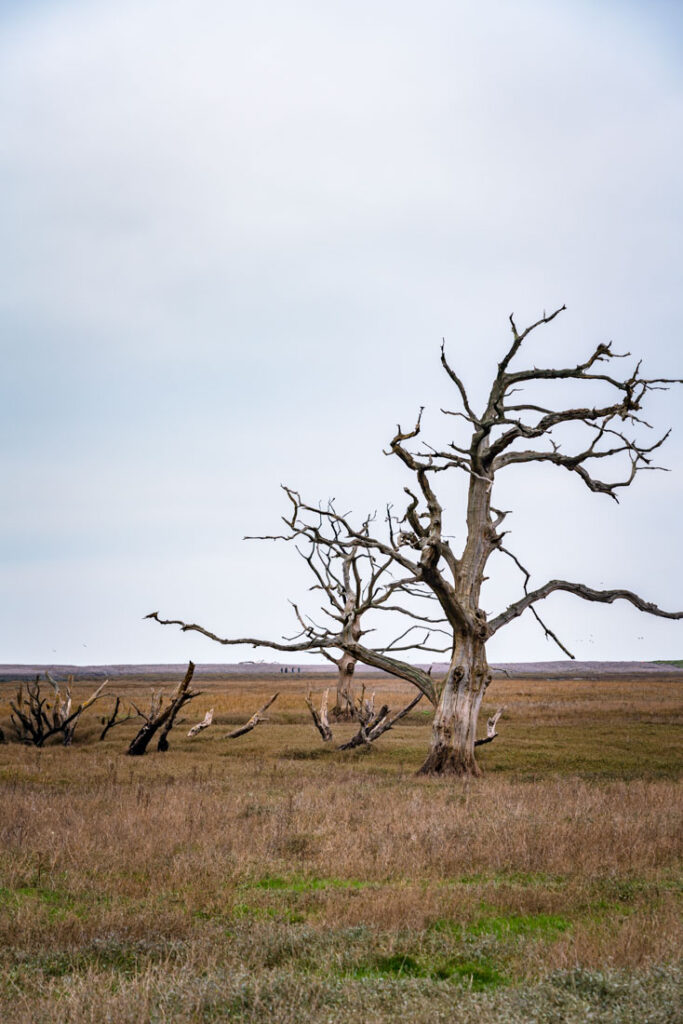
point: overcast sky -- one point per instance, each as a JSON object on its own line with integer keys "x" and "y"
{"x": 233, "y": 237}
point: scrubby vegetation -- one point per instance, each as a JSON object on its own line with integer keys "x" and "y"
{"x": 275, "y": 879}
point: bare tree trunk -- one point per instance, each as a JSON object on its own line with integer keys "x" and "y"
{"x": 140, "y": 741}
{"x": 454, "y": 728}
{"x": 160, "y": 717}
{"x": 320, "y": 719}
{"x": 162, "y": 742}
{"x": 344, "y": 707}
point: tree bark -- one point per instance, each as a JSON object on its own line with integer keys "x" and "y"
{"x": 344, "y": 708}
{"x": 162, "y": 718}
{"x": 454, "y": 727}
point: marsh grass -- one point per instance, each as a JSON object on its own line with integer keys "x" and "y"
{"x": 273, "y": 879}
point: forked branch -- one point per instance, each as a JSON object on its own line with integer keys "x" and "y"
{"x": 371, "y": 724}
{"x": 549, "y": 634}
{"x": 115, "y": 718}
{"x": 379, "y": 724}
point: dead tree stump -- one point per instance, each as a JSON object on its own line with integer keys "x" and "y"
{"x": 162, "y": 718}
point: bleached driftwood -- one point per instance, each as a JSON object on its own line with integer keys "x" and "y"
{"x": 490, "y": 728}
{"x": 320, "y": 718}
{"x": 256, "y": 719}
{"x": 204, "y": 724}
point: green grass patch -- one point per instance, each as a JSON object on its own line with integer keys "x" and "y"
{"x": 478, "y": 975}
{"x": 505, "y": 926}
{"x": 57, "y": 902}
{"x": 299, "y": 883}
{"x": 475, "y": 975}
{"x": 541, "y": 925}
{"x": 637, "y": 749}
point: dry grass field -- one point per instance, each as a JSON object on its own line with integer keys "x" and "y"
{"x": 270, "y": 878}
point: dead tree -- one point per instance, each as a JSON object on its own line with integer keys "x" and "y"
{"x": 355, "y": 583}
{"x": 347, "y": 609}
{"x": 509, "y": 431}
{"x": 352, "y": 583}
{"x": 371, "y": 724}
{"x": 162, "y": 717}
{"x": 37, "y": 716}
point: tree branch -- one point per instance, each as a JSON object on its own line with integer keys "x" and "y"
{"x": 490, "y": 728}
{"x": 519, "y": 338}
{"x": 307, "y": 645}
{"x": 255, "y": 720}
{"x": 579, "y": 590}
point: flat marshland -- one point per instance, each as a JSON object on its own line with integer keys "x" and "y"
{"x": 274, "y": 878}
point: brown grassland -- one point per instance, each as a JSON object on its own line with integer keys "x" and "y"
{"x": 270, "y": 878}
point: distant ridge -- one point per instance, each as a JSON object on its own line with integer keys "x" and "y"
{"x": 512, "y": 670}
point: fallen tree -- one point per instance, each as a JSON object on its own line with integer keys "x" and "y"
{"x": 371, "y": 724}
{"x": 256, "y": 719}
